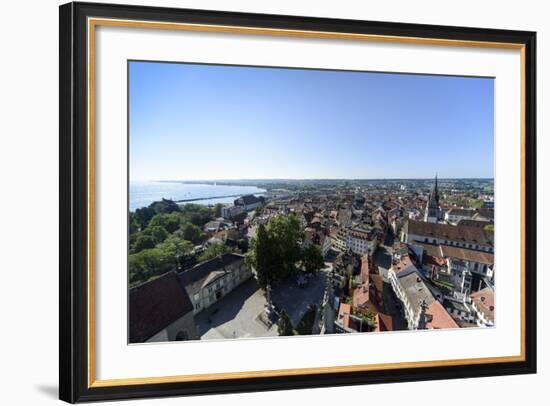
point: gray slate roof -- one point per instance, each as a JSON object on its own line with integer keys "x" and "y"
{"x": 203, "y": 274}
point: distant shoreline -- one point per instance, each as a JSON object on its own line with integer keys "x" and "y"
{"x": 234, "y": 181}
{"x": 270, "y": 184}
{"x": 211, "y": 198}
{"x": 142, "y": 194}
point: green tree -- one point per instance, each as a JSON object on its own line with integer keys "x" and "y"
{"x": 312, "y": 258}
{"x": 157, "y": 233}
{"x": 191, "y": 232}
{"x": 149, "y": 263}
{"x": 259, "y": 257}
{"x": 213, "y": 250}
{"x": 133, "y": 223}
{"x": 197, "y": 214}
{"x": 175, "y": 246}
{"x": 143, "y": 216}
{"x": 275, "y": 249}
{"x": 169, "y": 221}
{"x": 143, "y": 241}
{"x": 284, "y": 326}
{"x": 165, "y": 206}
{"x": 285, "y": 233}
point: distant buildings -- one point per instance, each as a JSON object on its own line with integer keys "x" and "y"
{"x": 228, "y": 212}
{"x": 241, "y": 205}
{"x": 455, "y": 215}
{"x": 248, "y": 202}
{"x": 462, "y": 216}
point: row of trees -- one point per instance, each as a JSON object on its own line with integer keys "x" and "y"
{"x": 277, "y": 251}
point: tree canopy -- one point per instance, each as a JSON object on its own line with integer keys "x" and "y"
{"x": 170, "y": 222}
{"x": 312, "y": 258}
{"x": 276, "y": 251}
{"x": 213, "y": 250}
{"x": 191, "y": 232}
{"x": 149, "y": 263}
{"x": 162, "y": 237}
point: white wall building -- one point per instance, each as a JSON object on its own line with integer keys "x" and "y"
{"x": 208, "y": 282}
{"x": 358, "y": 241}
{"x": 455, "y": 215}
{"x": 229, "y": 212}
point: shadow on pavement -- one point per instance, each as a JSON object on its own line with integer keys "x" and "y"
{"x": 227, "y": 308}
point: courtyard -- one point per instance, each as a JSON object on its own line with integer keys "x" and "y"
{"x": 237, "y": 315}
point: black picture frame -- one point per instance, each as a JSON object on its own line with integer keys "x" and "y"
{"x": 73, "y": 256}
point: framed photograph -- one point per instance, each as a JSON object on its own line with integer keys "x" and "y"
{"x": 258, "y": 202}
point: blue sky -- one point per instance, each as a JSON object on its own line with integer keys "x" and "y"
{"x": 193, "y": 122}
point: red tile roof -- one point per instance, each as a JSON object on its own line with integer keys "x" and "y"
{"x": 438, "y": 317}
{"x": 468, "y": 255}
{"x": 361, "y": 294}
{"x": 155, "y": 305}
{"x": 343, "y": 314}
{"x": 384, "y": 322}
{"x": 485, "y": 302}
{"x": 473, "y": 235}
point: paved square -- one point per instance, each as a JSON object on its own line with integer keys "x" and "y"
{"x": 295, "y": 299}
{"x": 235, "y": 315}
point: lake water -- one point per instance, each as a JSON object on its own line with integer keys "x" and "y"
{"x": 144, "y": 193}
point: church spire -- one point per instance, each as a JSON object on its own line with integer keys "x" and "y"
{"x": 433, "y": 211}
{"x": 436, "y": 192}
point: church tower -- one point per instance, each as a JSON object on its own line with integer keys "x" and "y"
{"x": 433, "y": 211}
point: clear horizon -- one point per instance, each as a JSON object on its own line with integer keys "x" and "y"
{"x": 190, "y": 122}
{"x": 296, "y": 179}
